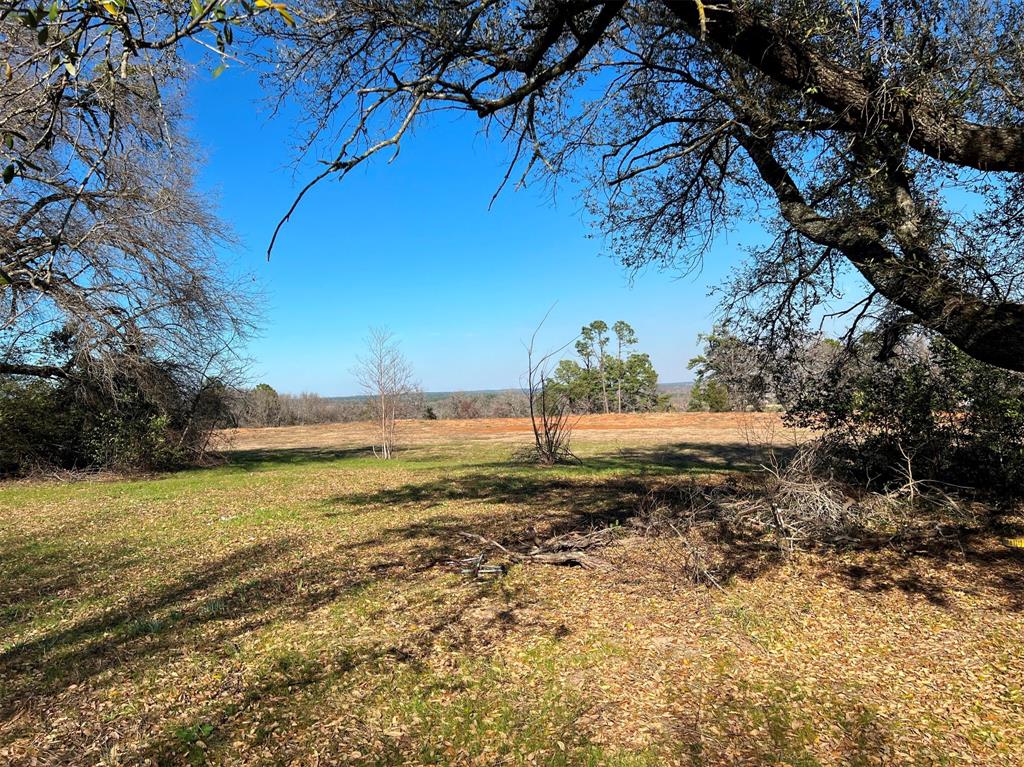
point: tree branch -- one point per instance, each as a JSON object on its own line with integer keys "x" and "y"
{"x": 990, "y": 332}
{"x": 765, "y": 45}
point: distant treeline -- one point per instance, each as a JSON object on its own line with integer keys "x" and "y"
{"x": 263, "y": 406}
{"x": 608, "y": 375}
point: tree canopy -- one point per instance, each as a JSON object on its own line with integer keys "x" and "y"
{"x": 118, "y": 313}
{"x": 884, "y": 140}
{"x": 106, "y": 240}
{"x": 879, "y": 140}
{"x": 601, "y": 381}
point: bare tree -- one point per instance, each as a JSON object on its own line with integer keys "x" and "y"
{"x": 866, "y": 125}
{"x": 386, "y": 377}
{"x": 551, "y": 415}
{"x": 109, "y": 255}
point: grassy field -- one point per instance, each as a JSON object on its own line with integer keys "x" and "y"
{"x": 296, "y": 606}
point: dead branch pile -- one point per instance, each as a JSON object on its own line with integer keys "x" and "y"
{"x": 692, "y": 513}
{"x": 681, "y": 504}
{"x": 797, "y": 505}
{"x": 570, "y": 549}
{"x": 801, "y": 504}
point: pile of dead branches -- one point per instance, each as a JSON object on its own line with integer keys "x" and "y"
{"x": 667, "y": 507}
{"x": 792, "y": 506}
{"x": 797, "y": 505}
{"x": 802, "y": 505}
{"x": 570, "y": 549}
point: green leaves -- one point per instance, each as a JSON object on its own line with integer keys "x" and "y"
{"x": 34, "y": 17}
{"x": 9, "y": 173}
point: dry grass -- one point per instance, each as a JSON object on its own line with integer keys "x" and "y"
{"x": 294, "y": 606}
{"x": 632, "y": 429}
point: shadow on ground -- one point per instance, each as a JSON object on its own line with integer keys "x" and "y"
{"x": 205, "y": 614}
{"x": 688, "y": 457}
{"x": 251, "y": 460}
{"x": 212, "y": 605}
{"x": 527, "y": 506}
{"x": 939, "y": 567}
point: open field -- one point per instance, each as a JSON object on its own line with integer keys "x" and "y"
{"x": 296, "y": 606}
{"x": 702, "y": 431}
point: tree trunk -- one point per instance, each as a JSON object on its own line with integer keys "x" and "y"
{"x": 992, "y": 332}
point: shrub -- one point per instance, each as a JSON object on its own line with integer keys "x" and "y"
{"x": 930, "y": 412}
{"x": 39, "y": 424}
{"x": 77, "y": 423}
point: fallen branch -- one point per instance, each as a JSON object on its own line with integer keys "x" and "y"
{"x": 565, "y": 550}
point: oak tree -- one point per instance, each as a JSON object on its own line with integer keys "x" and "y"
{"x": 875, "y": 141}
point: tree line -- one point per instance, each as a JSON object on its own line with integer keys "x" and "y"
{"x": 607, "y": 376}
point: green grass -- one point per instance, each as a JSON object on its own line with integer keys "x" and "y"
{"x": 298, "y": 606}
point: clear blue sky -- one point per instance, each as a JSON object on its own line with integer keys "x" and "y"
{"x": 413, "y": 246}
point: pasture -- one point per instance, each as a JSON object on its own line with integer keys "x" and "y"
{"x": 297, "y": 605}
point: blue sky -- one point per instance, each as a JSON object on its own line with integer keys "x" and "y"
{"x": 412, "y": 245}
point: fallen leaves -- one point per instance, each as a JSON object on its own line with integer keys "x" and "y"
{"x": 300, "y": 612}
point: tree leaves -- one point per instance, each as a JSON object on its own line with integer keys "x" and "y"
{"x": 281, "y": 8}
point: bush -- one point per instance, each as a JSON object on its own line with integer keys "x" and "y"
{"x": 930, "y": 412}
{"x": 39, "y": 424}
{"x": 133, "y": 440}
{"x": 78, "y": 423}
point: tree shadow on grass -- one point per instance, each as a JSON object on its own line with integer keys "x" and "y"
{"x": 217, "y": 602}
{"x": 32, "y": 571}
{"x": 526, "y": 501}
{"x": 523, "y": 508}
{"x": 937, "y": 568}
{"x": 686, "y": 457}
{"x": 563, "y": 490}
{"x": 678, "y": 457}
{"x": 291, "y": 682}
{"x": 253, "y": 460}
{"x": 206, "y": 610}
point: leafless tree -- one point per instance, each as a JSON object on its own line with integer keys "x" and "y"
{"x": 551, "y": 415}
{"x": 259, "y": 407}
{"x": 386, "y": 377}
{"x": 308, "y": 408}
{"x": 853, "y": 130}
{"x": 109, "y": 258}
{"x": 509, "y": 404}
